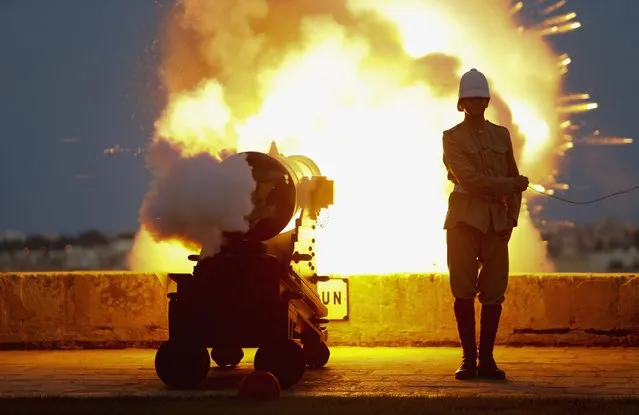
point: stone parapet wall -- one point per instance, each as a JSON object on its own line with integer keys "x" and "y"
{"x": 99, "y": 309}
{"x": 117, "y": 309}
{"x": 540, "y": 309}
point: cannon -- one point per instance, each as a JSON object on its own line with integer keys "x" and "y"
{"x": 259, "y": 290}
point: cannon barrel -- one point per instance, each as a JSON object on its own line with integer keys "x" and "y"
{"x": 284, "y": 185}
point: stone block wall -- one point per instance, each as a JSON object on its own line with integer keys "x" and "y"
{"x": 118, "y": 309}
{"x": 540, "y": 309}
{"x": 93, "y": 309}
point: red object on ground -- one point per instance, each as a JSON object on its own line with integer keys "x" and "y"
{"x": 259, "y": 385}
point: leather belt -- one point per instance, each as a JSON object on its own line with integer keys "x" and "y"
{"x": 460, "y": 189}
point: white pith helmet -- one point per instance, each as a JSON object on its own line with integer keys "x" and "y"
{"x": 473, "y": 84}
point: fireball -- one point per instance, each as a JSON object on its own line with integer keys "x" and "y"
{"x": 365, "y": 88}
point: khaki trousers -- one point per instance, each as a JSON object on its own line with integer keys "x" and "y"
{"x": 477, "y": 263}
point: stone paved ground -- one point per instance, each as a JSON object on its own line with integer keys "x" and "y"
{"x": 351, "y": 371}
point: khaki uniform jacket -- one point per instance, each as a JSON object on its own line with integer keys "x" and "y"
{"x": 482, "y": 165}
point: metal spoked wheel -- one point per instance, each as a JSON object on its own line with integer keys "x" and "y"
{"x": 181, "y": 365}
{"x": 284, "y": 359}
{"x": 316, "y": 354}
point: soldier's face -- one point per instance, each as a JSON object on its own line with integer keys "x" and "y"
{"x": 475, "y": 106}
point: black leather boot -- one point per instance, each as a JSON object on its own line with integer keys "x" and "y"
{"x": 465, "y": 316}
{"x": 487, "y": 369}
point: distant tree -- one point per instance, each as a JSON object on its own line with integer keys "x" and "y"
{"x": 599, "y": 246}
{"x": 11, "y": 245}
{"x": 126, "y": 235}
{"x": 614, "y": 244}
{"x": 62, "y": 242}
{"x": 615, "y": 265}
{"x": 34, "y": 242}
{"x": 553, "y": 249}
{"x": 92, "y": 238}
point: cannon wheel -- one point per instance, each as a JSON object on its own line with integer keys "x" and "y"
{"x": 227, "y": 356}
{"x": 283, "y": 359}
{"x": 316, "y": 354}
{"x": 181, "y": 365}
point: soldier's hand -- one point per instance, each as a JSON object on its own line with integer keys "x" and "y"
{"x": 505, "y": 235}
{"x": 508, "y": 232}
{"x": 521, "y": 183}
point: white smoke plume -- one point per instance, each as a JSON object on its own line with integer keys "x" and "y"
{"x": 196, "y": 198}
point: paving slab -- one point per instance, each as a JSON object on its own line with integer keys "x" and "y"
{"x": 351, "y": 371}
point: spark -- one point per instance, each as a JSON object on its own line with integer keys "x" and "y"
{"x": 597, "y": 139}
{"x": 603, "y": 141}
{"x": 578, "y": 108}
{"x": 552, "y": 25}
{"x": 70, "y": 140}
{"x": 554, "y": 7}
{"x": 571, "y": 103}
{"x": 575, "y": 97}
{"x": 564, "y": 61}
{"x": 561, "y": 186}
{"x": 553, "y": 30}
{"x": 542, "y": 189}
{"x": 517, "y": 7}
{"x": 563, "y": 148}
{"x": 119, "y": 149}
{"x": 567, "y": 125}
{"x": 553, "y": 21}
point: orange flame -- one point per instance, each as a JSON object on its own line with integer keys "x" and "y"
{"x": 369, "y": 108}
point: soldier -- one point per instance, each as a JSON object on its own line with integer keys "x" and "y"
{"x": 483, "y": 209}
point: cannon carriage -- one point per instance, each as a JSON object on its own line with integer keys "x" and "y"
{"x": 259, "y": 290}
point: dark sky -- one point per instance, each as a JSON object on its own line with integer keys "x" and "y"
{"x": 77, "y": 77}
